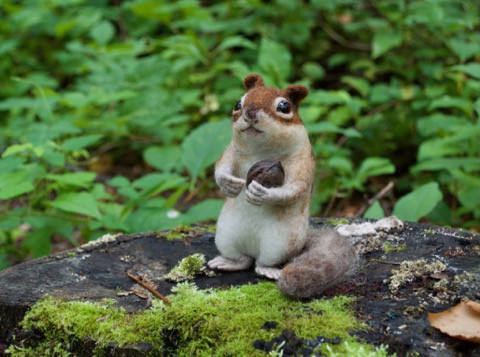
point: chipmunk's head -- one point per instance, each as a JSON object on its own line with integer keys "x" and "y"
{"x": 268, "y": 115}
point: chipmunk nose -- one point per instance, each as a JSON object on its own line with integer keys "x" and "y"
{"x": 251, "y": 114}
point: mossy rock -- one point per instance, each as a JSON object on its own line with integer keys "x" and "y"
{"x": 77, "y": 301}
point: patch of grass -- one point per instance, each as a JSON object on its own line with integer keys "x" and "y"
{"x": 215, "y": 322}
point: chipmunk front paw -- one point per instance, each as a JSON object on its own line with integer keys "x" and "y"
{"x": 230, "y": 185}
{"x": 257, "y": 194}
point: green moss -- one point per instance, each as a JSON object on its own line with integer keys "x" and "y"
{"x": 174, "y": 234}
{"x": 389, "y": 247}
{"x": 358, "y": 350}
{"x": 205, "y": 322}
{"x": 188, "y": 268}
{"x": 43, "y": 349}
{"x": 188, "y": 231}
{"x": 337, "y": 222}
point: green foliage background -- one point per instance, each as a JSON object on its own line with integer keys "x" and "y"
{"x": 113, "y": 112}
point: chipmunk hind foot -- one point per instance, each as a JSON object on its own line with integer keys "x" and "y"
{"x": 269, "y": 272}
{"x": 222, "y": 263}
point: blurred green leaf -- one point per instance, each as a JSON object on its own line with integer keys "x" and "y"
{"x": 203, "y": 146}
{"x": 375, "y": 211}
{"x": 206, "y": 210}
{"x": 103, "y": 32}
{"x": 81, "y": 203}
{"x": 152, "y": 219}
{"x": 9, "y": 164}
{"x": 340, "y": 163}
{"x": 439, "y": 124}
{"x": 39, "y": 242}
{"x": 14, "y": 184}
{"x": 236, "y": 41}
{"x": 468, "y": 164}
{"x": 472, "y": 69}
{"x": 470, "y": 197}
{"x": 461, "y": 141}
{"x": 452, "y": 102}
{"x": 15, "y": 149}
{"x": 9, "y": 222}
{"x": 119, "y": 181}
{"x": 274, "y": 60}
{"x": 477, "y": 106}
{"x": 164, "y": 158}
{"x": 464, "y": 49}
{"x": 79, "y": 179}
{"x": 20, "y": 181}
{"x": 153, "y": 184}
{"x": 373, "y": 166}
{"x": 359, "y": 84}
{"x": 4, "y": 262}
{"x": 326, "y": 128}
{"x": 54, "y": 158}
{"x": 418, "y": 203}
{"x": 323, "y": 97}
{"x": 313, "y": 70}
{"x": 80, "y": 142}
{"x": 384, "y": 40}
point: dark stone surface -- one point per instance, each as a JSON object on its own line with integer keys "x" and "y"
{"x": 99, "y": 271}
{"x": 96, "y": 272}
{"x": 400, "y": 320}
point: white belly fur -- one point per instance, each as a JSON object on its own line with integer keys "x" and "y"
{"x": 269, "y": 234}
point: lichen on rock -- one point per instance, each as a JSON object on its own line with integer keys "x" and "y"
{"x": 409, "y": 270}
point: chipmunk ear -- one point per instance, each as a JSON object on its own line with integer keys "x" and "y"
{"x": 253, "y": 80}
{"x": 296, "y": 92}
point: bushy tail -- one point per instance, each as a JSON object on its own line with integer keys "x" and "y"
{"x": 327, "y": 259}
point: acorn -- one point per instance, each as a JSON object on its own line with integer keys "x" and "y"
{"x": 268, "y": 173}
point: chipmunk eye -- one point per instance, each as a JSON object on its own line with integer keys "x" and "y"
{"x": 283, "y": 106}
{"x": 238, "y": 105}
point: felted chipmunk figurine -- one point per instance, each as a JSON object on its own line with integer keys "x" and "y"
{"x": 269, "y": 226}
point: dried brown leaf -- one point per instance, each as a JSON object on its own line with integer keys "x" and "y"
{"x": 461, "y": 321}
{"x": 475, "y": 306}
{"x": 150, "y": 286}
{"x": 140, "y": 292}
{"x": 439, "y": 276}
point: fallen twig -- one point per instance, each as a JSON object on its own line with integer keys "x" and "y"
{"x": 153, "y": 291}
{"x": 375, "y": 198}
